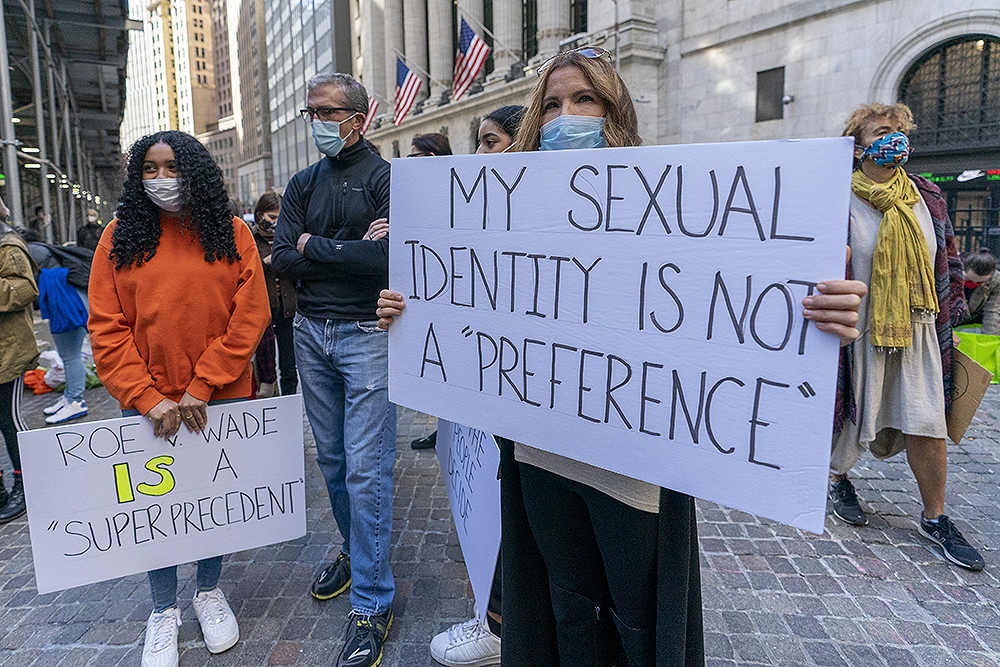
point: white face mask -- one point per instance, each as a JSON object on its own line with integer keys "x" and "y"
{"x": 165, "y": 193}
{"x": 91, "y": 218}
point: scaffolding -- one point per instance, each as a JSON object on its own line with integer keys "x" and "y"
{"x": 60, "y": 137}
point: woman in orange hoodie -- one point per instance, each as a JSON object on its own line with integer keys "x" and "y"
{"x": 177, "y": 305}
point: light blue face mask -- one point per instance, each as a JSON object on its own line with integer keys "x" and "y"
{"x": 567, "y": 132}
{"x": 326, "y": 134}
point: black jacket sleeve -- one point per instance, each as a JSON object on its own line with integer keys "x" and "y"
{"x": 285, "y": 257}
{"x": 359, "y": 257}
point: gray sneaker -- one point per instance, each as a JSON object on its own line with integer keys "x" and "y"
{"x": 955, "y": 547}
{"x": 845, "y": 503}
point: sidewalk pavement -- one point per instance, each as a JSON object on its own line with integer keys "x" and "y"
{"x": 880, "y": 595}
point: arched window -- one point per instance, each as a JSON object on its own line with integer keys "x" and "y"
{"x": 954, "y": 93}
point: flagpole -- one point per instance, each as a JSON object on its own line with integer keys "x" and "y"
{"x": 419, "y": 70}
{"x": 488, "y": 32}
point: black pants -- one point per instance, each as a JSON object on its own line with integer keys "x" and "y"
{"x": 11, "y": 420}
{"x": 283, "y": 333}
{"x": 601, "y": 558}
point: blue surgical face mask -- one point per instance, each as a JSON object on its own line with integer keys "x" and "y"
{"x": 566, "y": 132}
{"x": 326, "y": 134}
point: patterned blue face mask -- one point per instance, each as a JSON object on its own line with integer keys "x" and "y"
{"x": 326, "y": 134}
{"x": 890, "y": 151}
{"x": 568, "y": 132}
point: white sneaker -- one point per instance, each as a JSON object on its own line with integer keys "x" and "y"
{"x": 469, "y": 644}
{"x": 67, "y": 412}
{"x": 218, "y": 623}
{"x": 160, "y": 646}
{"x": 54, "y": 408}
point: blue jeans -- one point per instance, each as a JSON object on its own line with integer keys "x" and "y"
{"x": 69, "y": 343}
{"x": 163, "y": 582}
{"x": 344, "y": 368}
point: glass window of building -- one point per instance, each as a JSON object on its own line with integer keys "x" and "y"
{"x": 954, "y": 93}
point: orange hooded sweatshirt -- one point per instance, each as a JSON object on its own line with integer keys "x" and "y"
{"x": 177, "y": 323}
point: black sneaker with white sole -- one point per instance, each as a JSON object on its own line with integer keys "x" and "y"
{"x": 364, "y": 639}
{"x": 333, "y": 579}
{"x": 955, "y": 547}
{"x": 845, "y": 503}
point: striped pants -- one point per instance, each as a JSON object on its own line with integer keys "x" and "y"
{"x": 11, "y": 421}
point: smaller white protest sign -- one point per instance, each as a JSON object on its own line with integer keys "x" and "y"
{"x": 470, "y": 460}
{"x": 108, "y": 499}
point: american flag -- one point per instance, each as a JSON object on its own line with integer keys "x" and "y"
{"x": 407, "y": 86}
{"x": 472, "y": 52}
{"x": 372, "y": 108}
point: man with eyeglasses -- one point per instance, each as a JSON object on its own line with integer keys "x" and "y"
{"x": 323, "y": 241}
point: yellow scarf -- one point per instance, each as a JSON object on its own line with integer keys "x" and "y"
{"x": 902, "y": 273}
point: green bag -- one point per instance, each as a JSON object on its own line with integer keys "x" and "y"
{"x": 985, "y": 349}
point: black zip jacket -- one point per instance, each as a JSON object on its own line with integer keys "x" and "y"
{"x": 335, "y": 200}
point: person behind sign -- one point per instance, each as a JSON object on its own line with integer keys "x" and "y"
{"x": 177, "y": 306}
{"x": 18, "y": 354}
{"x": 280, "y": 291}
{"x": 89, "y": 235}
{"x": 430, "y": 144}
{"x": 982, "y": 291}
{"x": 901, "y": 371}
{"x": 598, "y": 568}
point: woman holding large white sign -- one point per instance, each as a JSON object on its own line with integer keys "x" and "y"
{"x": 598, "y": 568}
{"x": 177, "y": 306}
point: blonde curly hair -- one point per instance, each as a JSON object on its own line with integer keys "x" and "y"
{"x": 898, "y": 113}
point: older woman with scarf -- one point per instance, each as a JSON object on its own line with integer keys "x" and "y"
{"x": 900, "y": 370}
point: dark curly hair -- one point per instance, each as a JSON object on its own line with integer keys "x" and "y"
{"x": 205, "y": 207}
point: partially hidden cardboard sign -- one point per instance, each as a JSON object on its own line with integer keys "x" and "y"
{"x": 971, "y": 380}
{"x": 637, "y": 309}
{"x": 470, "y": 460}
{"x": 108, "y": 499}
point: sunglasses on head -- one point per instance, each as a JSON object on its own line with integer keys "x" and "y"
{"x": 585, "y": 51}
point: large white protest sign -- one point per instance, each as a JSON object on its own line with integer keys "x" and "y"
{"x": 108, "y": 499}
{"x": 638, "y": 309}
{"x": 470, "y": 460}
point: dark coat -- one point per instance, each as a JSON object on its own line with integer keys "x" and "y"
{"x": 280, "y": 290}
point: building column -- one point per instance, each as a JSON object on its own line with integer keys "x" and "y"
{"x": 553, "y": 25}
{"x": 81, "y": 176}
{"x": 393, "y": 26}
{"x": 36, "y": 82}
{"x": 373, "y": 55}
{"x": 475, "y": 17}
{"x": 439, "y": 34}
{"x": 68, "y": 139}
{"x": 12, "y": 188}
{"x": 60, "y": 218}
{"x": 415, "y": 39}
{"x": 507, "y": 45}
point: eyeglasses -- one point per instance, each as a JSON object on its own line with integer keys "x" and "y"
{"x": 585, "y": 51}
{"x": 323, "y": 113}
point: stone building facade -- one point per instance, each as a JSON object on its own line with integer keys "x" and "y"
{"x": 739, "y": 70}
{"x": 705, "y": 71}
